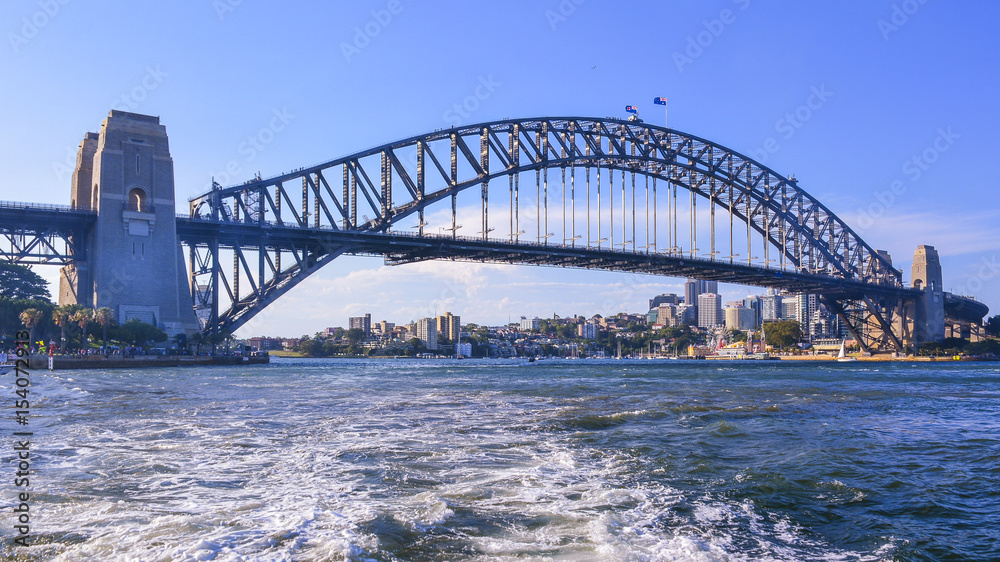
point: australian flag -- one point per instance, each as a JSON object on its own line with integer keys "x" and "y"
{"x": 660, "y": 101}
{"x": 631, "y": 109}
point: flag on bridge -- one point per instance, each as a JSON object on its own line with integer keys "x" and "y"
{"x": 660, "y": 101}
{"x": 631, "y": 109}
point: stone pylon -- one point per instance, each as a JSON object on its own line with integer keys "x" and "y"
{"x": 928, "y": 314}
{"x": 135, "y": 263}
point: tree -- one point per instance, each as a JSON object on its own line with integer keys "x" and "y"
{"x": 418, "y": 346}
{"x": 784, "y": 333}
{"x": 30, "y": 317}
{"x": 61, "y": 316}
{"x": 83, "y": 318}
{"x": 137, "y": 332}
{"x": 355, "y": 335}
{"x": 20, "y": 282}
{"x": 197, "y": 339}
{"x": 10, "y": 317}
{"x": 228, "y": 338}
{"x": 985, "y": 347}
{"x": 104, "y": 317}
{"x": 992, "y": 326}
{"x": 213, "y": 339}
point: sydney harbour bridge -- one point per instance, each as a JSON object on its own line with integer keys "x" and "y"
{"x": 608, "y": 194}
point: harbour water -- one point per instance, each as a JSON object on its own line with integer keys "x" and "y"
{"x": 481, "y": 460}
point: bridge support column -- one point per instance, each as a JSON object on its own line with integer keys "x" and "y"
{"x": 135, "y": 264}
{"x": 928, "y": 310}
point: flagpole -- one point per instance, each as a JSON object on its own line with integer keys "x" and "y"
{"x": 662, "y": 101}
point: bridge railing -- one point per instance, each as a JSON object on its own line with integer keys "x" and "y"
{"x": 36, "y": 206}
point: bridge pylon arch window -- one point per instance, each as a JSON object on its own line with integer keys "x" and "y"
{"x": 137, "y": 200}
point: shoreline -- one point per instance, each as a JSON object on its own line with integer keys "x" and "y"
{"x": 888, "y": 359}
{"x": 821, "y": 358}
{"x": 41, "y": 362}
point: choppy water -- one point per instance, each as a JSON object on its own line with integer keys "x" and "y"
{"x": 561, "y": 460}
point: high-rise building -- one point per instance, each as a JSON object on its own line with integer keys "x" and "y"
{"x": 692, "y": 288}
{"x": 666, "y": 314}
{"x": 710, "y": 310}
{"x": 790, "y": 309}
{"x": 530, "y": 323}
{"x": 361, "y": 322}
{"x": 805, "y": 310}
{"x": 695, "y": 287}
{"x": 770, "y": 308}
{"x": 740, "y": 318}
{"x": 449, "y": 326}
{"x": 427, "y": 333}
{"x": 668, "y": 298}
{"x": 686, "y": 314}
{"x": 754, "y": 303}
{"x": 587, "y": 331}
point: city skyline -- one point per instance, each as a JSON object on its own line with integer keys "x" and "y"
{"x": 877, "y": 112}
{"x": 796, "y": 306}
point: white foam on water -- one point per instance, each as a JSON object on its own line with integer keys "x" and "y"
{"x": 329, "y": 474}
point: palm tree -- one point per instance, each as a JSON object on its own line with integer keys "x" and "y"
{"x": 197, "y": 339}
{"x": 210, "y": 339}
{"x": 61, "y": 316}
{"x": 82, "y": 318}
{"x": 30, "y": 317}
{"x": 104, "y": 317}
{"x": 228, "y": 339}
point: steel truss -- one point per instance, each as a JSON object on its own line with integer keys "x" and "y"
{"x": 43, "y": 234}
{"x": 431, "y": 172}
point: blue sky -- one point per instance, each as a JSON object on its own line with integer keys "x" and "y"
{"x": 884, "y": 110}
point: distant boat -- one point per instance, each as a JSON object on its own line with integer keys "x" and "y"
{"x": 842, "y": 356}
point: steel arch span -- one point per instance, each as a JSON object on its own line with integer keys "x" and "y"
{"x": 381, "y": 201}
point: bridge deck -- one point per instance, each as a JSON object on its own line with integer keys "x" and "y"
{"x": 45, "y": 234}
{"x": 399, "y": 248}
